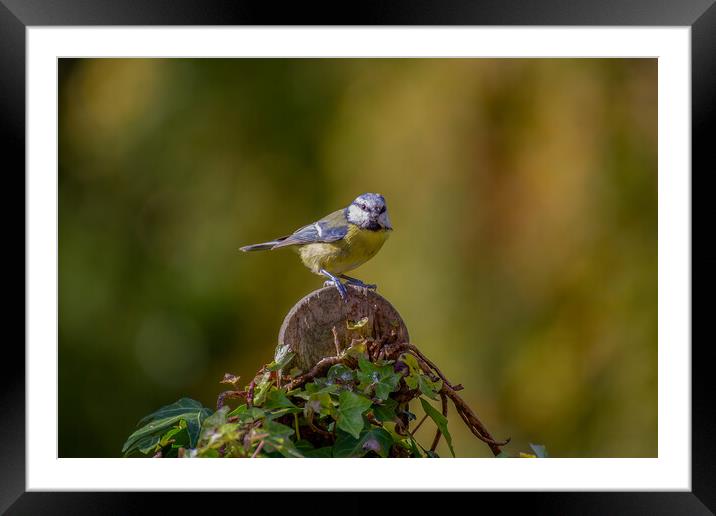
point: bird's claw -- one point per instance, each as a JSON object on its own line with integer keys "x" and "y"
{"x": 339, "y": 286}
{"x": 358, "y": 283}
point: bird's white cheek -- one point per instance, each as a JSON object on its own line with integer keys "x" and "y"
{"x": 356, "y": 215}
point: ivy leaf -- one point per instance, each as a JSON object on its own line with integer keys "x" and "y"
{"x": 212, "y": 431}
{"x": 319, "y": 403}
{"x": 540, "y": 450}
{"x": 376, "y": 440}
{"x": 340, "y": 373}
{"x": 440, "y": 420}
{"x": 319, "y": 453}
{"x": 385, "y": 412}
{"x": 307, "y": 450}
{"x": 159, "y": 421}
{"x": 357, "y": 349}
{"x": 356, "y": 325}
{"x": 413, "y": 447}
{"x": 247, "y": 414}
{"x": 351, "y": 407}
{"x": 379, "y": 378}
{"x": 147, "y": 445}
{"x": 278, "y": 439}
{"x": 282, "y": 360}
{"x": 263, "y": 384}
{"x": 277, "y": 399}
{"x": 428, "y": 387}
{"x": 176, "y": 433}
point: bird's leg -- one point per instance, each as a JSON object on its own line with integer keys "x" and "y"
{"x": 336, "y": 283}
{"x": 359, "y": 283}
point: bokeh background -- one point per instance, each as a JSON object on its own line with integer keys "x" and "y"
{"x": 523, "y": 193}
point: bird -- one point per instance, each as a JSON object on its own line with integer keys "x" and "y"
{"x": 339, "y": 242}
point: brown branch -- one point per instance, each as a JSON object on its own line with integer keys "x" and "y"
{"x": 448, "y": 390}
{"x": 318, "y": 369}
{"x": 420, "y": 423}
{"x": 250, "y": 393}
{"x": 231, "y": 395}
{"x": 317, "y": 429}
{"x": 432, "y": 366}
{"x": 472, "y": 421}
{"x": 336, "y": 341}
{"x": 258, "y": 449}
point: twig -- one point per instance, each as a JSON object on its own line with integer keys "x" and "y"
{"x": 250, "y": 394}
{"x": 472, "y": 421}
{"x": 372, "y": 420}
{"x": 258, "y": 449}
{"x": 318, "y": 430}
{"x": 420, "y": 355}
{"x": 318, "y": 369}
{"x": 336, "y": 341}
{"x": 420, "y": 423}
{"x": 229, "y": 394}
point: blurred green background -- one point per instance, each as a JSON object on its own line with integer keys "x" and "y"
{"x": 523, "y": 193}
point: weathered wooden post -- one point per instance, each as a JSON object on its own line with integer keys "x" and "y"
{"x": 308, "y": 329}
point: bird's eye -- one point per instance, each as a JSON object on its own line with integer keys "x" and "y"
{"x": 363, "y": 206}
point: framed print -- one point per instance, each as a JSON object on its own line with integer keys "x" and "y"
{"x": 515, "y": 180}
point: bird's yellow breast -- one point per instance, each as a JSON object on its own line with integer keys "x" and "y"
{"x": 356, "y": 248}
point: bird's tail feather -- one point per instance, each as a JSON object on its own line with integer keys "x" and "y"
{"x": 259, "y": 247}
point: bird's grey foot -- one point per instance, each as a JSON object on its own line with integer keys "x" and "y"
{"x": 359, "y": 283}
{"x": 336, "y": 283}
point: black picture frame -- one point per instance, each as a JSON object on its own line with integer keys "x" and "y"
{"x": 700, "y": 15}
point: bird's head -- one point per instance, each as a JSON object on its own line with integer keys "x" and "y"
{"x": 369, "y": 211}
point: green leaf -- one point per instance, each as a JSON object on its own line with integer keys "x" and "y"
{"x": 356, "y": 325}
{"x": 357, "y": 349}
{"x": 411, "y": 362}
{"x": 247, "y": 414}
{"x": 159, "y": 421}
{"x": 281, "y": 361}
{"x": 428, "y": 387}
{"x": 385, "y": 411}
{"x": 381, "y": 379}
{"x": 440, "y": 420}
{"x": 351, "y": 407}
{"x": 307, "y": 450}
{"x": 413, "y": 447}
{"x": 262, "y": 386}
{"x": 319, "y": 403}
{"x": 376, "y": 440}
{"x": 340, "y": 373}
{"x": 277, "y": 399}
{"x": 148, "y": 444}
{"x": 320, "y": 453}
{"x": 278, "y": 439}
{"x": 540, "y": 450}
{"x": 177, "y": 433}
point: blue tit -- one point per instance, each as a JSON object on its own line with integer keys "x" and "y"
{"x": 339, "y": 242}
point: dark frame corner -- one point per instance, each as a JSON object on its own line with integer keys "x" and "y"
{"x": 700, "y": 15}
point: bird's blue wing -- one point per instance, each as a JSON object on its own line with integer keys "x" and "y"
{"x": 329, "y": 229}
